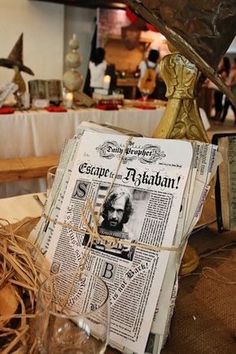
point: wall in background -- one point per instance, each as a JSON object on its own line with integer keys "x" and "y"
{"x": 47, "y": 28}
{"x": 126, "y": 45}
{"x": 232, "y": 48}
{"x": 231, "y": 53}
{"x": 43, "y": 28}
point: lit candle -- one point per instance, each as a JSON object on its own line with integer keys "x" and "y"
{"x": 69, "y": 99}
{"x": 106, "y": 82}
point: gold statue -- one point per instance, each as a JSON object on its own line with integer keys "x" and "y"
{"x": 181, "y": 119}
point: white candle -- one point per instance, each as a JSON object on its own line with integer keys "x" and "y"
{"x": 69, "y": 99}
{"x": 106, "y": 82}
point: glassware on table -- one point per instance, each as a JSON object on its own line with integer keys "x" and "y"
{"x": 51, "y": 173}
{"x": 72, "y": 314}
{"x": 145, "y": 93}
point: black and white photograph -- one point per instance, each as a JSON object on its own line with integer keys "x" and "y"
{"x": 120, "y": 216}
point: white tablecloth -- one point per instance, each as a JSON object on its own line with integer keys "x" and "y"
{"x": 43, "y": 133}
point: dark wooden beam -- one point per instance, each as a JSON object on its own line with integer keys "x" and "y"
{"x": 112, "y": 4}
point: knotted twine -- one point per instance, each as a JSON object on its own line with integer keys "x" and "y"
{"x": 93, "y": 233}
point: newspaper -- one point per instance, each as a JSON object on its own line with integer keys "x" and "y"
{"x": 140, "y": 261}
{"x": 154, "y": 173}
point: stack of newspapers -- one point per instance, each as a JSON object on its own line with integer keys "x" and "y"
{"x": 132, "y": 202}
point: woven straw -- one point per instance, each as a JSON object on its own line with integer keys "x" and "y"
{"x": 204, "y": 321}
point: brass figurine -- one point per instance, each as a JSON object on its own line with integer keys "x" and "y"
{"x": 181, "y": 119}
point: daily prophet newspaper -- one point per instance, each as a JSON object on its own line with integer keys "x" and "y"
{"x": 134, "y": 246}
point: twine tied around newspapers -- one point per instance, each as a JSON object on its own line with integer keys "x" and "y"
{"x": 111, "y": 241}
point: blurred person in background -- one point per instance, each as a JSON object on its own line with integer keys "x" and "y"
{"x": 150, "y": 63}
{"x": 97, "y": 69}
{"x": 231, "y": 82}
{"x": 223, "y": 71}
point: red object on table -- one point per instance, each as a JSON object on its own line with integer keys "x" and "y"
{"x": 144, "y": 107}
{"x": 6, "y": 110}
{"x": 113, "y": 102}
{"x": 134, "y": 19}
{"x": 56, "y": 109}
{"x": 108, "y": 107}
{"x": 142, "y": 99}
